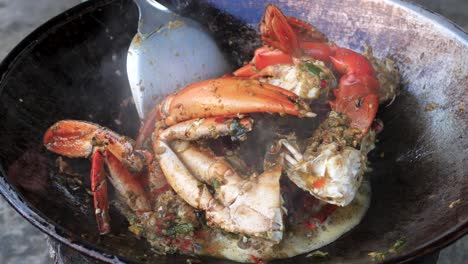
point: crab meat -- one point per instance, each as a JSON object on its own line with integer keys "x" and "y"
{"x": 333, "y": 176}
{"x": 309, "y": 79}
{"x": 234, "y": 203}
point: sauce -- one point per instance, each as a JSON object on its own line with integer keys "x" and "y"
{"x": 301, "y": 240}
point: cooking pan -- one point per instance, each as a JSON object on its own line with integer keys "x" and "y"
{"x": 73, "y": 67}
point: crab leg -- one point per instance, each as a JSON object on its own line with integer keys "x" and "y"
{"x": 228, "y": 96}
{"x": 357, "y": 94}
{"x": 193, "y": 171}
{"x": 207, "y": 128}
{"x": 99, "y": 189}
{"x": 251, "y": 207}
{"x": 127, "y": 184}
{"x": 79, "y": 139}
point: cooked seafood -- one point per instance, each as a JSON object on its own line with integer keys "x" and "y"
{"x": 331, "y": 168}
{"x": 184, "y": 196}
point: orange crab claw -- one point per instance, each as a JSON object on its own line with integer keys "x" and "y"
{"x": 318, "y": 51}
{"x": 288, "y": 33}
{"x": 264, "y": 56}
{"x": 347, "y": 61}
{"x": 79, "y": 139}
{"x": 357, "y": 94}
{"x": 277, "y": 32}
{"x": 70, "y": 138}
{"x": 229, "y": 96}
{"x": 246, "y": 70}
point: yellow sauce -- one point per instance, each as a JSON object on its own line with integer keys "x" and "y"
{"x": 302, "y": 240}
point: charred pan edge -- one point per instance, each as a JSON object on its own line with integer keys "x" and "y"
{"x": 50, "y": 228}
{"x": 6, "y": 189}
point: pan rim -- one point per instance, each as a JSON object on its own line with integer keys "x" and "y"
{"x": 44, "y": 224}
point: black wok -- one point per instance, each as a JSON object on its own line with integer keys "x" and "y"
{"x": 73, "y": 67}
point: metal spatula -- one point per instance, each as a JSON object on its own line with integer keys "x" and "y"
{"x": 168, "y": 53}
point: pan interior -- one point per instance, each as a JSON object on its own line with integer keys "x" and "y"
{"x": 74, "y": 68}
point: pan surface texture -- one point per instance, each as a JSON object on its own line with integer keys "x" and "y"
{"x": 73, "y": 67}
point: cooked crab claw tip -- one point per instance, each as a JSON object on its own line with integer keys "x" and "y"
{"x": 229, "y": 96}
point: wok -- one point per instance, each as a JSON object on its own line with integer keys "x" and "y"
{"x": 73, "y": 67}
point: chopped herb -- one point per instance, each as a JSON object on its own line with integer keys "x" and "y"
{"x": 318, "y": 254}
{"x": 377, "y": 256}
{"x": 399, "y": 244}
{"x": 238, "y": 131}
{"x": 181, "y": 229}
{"x": 312, "y": 69}
{"x": 215, "y": 183}
{"x": 395, "y": 248}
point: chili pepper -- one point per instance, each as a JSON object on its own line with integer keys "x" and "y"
{"x": 323, "y": 83}
{"x": 318, "y": 184}
{"x": 325, "y": 212}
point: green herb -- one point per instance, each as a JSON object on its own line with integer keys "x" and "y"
{"x": 312, "y": 69}
{"x": 238, "y": 131}
{"x": 215, "y": 183}
{"x": 399, "y": 244}
{"x": 318, "y": 254}
{"x": 377, "y": 256}
{"x": 181, "y": 229}
{"x": 380, "y": 256}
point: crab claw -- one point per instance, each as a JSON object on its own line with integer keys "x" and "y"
{"x": 263, "y": 57}
{"x": 277, "y": 32}
{"x": 80, "y": 139}
{"x": 71, "y": 138}
{"x": 287, "y": 33}
{"x": 229, "y": 96}
{"x": 347, "y": 61}
{"x": 357, "y": 94}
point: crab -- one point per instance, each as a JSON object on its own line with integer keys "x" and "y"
{"x": 296, "y": 57}
{"x": 169, "y": 159}
{"x": 232, "y": 202}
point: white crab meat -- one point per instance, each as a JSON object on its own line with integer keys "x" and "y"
{"x": 333, "y": 176}
{"x": 247, "y": 206}
{"x": 297, "y": 79}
